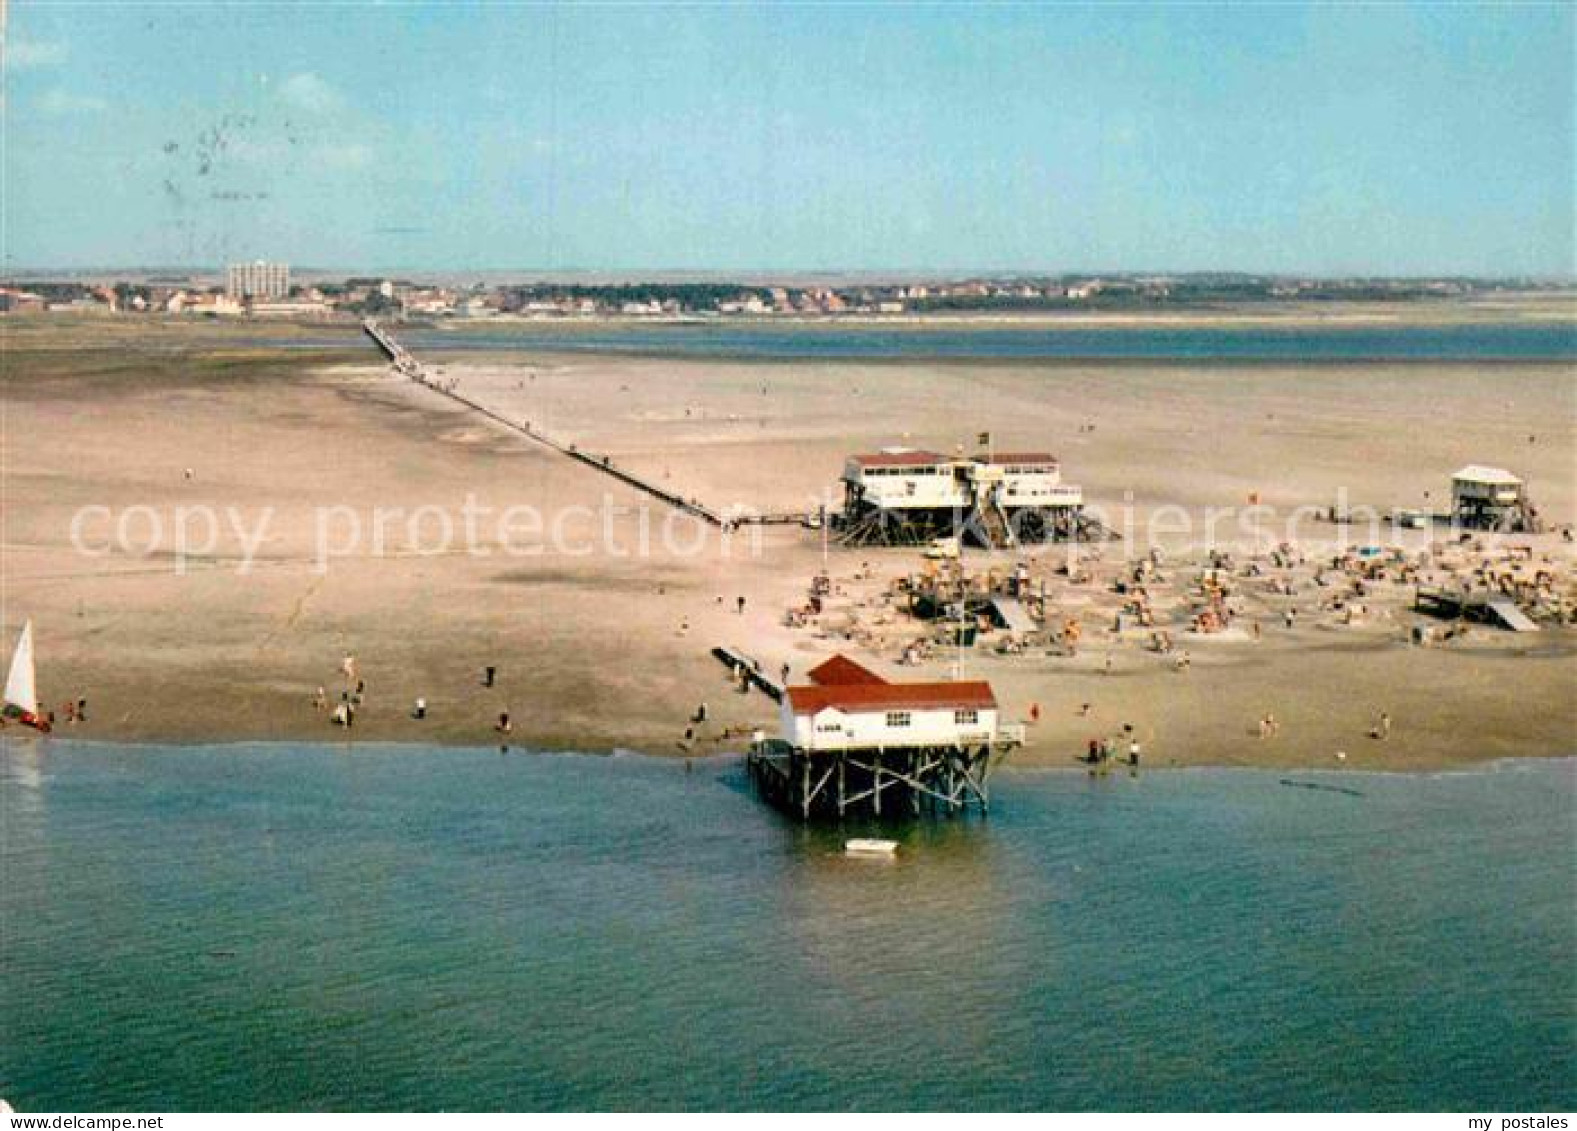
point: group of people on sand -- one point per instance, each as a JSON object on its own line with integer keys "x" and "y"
{"x": 1101, "y": 751}
{"x": 1270, "y": 727}
{"x": 72, "y": 710}
{"x": 344, "y": 713}
{"x": 353, "y": 697}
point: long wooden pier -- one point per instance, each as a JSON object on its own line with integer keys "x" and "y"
{"x": 405, "y": 363}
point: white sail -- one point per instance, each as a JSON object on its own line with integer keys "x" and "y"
{"x": 20, "y": 690}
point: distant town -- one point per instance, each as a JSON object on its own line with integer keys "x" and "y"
{"x": 262, "y": 289}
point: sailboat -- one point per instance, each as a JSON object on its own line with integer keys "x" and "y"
{"x": 21, "y": 686}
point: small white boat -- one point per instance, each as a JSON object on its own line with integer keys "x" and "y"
{"x": 21, "y": 690}
{"x": 864, "y": 846}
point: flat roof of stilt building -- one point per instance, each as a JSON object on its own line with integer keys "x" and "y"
{"x": 1015, "y": 459}
{"x": 909, "y": 457}
{"x": 900, "y": 458}
{"x": 1478, "y": 473}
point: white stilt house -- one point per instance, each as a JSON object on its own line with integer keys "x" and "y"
{"x": 1491, "y": 498}
{"x": 850, "y": 736}
{"x": 856, "y": 715}
{"x": 903, "y": 495}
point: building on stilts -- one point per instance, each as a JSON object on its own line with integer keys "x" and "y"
{"x": 854, "y": 743}
{"x": 907, "y": 497}
{"x": 1492, "y": 498}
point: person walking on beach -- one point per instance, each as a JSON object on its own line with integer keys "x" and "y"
{"x": 1382, "y": 729}
{"x": 489, "y": 675}
{"x": 503, "y": 726}
{"x": 420, "y": 710}
{"x": 321, "y": 701}
{"x": 739, "y": 606}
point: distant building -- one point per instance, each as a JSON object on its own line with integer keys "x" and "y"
{"x": 19, "y": 301}
{"x": 290, "y": 308}
{"x": 903, "y": 496}
{"x": 1489, "y": 498}
{"x": 257, "y": 280}
{"x": 92, "y": 303}
{"x": 214, "y": 305}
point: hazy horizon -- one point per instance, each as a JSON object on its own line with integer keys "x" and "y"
{"x": 850, "y": 276}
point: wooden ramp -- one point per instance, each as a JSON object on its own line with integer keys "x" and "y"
{"x": 1505, "y": 610}
{"x": 734, "y": 659}
{"x": 1482, "y": 607}
{"x": 1014, "y": 615}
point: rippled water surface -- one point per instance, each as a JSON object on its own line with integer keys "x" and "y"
{"x": 314, "y": 927}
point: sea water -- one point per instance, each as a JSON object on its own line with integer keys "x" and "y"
{"x": 754, "y": 340}
{"x": 369, "y": 927}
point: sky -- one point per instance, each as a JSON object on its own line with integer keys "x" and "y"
{"x": 1379, "y": 139}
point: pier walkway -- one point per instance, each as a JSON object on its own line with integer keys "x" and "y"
{"x": 405, "y": 363}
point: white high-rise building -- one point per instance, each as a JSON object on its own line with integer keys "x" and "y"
{"x": 257, "y": 280}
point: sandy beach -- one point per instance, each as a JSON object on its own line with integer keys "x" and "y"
{"x": 602, "y": 645}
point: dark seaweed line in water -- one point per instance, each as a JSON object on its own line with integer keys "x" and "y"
{"x": 1321, "y": 787}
